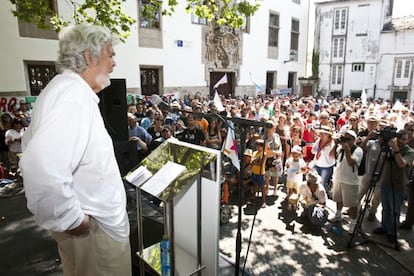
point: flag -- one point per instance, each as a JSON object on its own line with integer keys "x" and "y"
{"x": 217, "y": 102}
{"x": 258, "y": 88}
{"x": 398, "y": 105}
{"x": 364, "y": 97}
{"x": 230, "y": 148}
{"x": 223, "y": 80}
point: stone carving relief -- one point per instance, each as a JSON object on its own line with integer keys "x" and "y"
{"x": 222, "y": 48}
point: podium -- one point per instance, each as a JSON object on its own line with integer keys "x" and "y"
{"x": 185, "y": 178}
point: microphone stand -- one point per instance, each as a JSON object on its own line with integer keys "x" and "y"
{"x": 242, "y": 126}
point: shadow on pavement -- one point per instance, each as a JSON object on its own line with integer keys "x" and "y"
{"x": 26, "y": 248}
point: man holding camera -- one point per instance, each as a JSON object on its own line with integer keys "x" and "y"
{"x": 345, "y": 177}
{"x": 394, "y": 177}
{"x": 371, "y": 142}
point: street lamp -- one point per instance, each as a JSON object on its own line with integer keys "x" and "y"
{"x": 292, "y": 56}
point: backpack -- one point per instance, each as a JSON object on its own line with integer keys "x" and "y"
{"x": 361, "y": 167}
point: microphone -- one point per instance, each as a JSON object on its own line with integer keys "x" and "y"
{"x": 155, "y": 99}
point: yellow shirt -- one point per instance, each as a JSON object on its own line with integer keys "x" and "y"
{"x": 256, "y": 166}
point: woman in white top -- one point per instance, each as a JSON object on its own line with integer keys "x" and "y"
{"x": 13, "y": 140}
{"x": 324, "y": 156}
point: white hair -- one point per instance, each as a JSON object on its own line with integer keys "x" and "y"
{"x": 74, "y": 41}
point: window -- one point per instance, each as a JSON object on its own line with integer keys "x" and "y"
{"x": 343, "y": 18}
{"x": 403, "y": 70}
{"x": 399, "y": 69}
{"x": 273, "y": 30}
{"x": 338, "y": 47}
{"x": 294, "y": 35}
{"x": 149, "y": 15}
{"x": 407, "y": 68}
{"x": 39, "y": 76}
{"x": 336, "y": 75}
{"x": 31, "y": 30}
{"x": 197, "y": 20}
{"x": 340, "y": 19}
{"x": 358, "y": 67}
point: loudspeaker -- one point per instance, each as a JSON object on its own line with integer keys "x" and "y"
{"x": 126, "y": 155}
{"x": 113, "y": 106}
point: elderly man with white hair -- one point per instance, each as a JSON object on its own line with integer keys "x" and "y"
{"x": 72, "y": 181}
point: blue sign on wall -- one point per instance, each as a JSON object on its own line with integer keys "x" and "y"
{"x": 180, "y": 43}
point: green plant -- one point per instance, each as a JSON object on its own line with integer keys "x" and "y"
{"x": 315, "y": 64}
{"x": 109, "y": 12}
{"x": 101, "y": 12}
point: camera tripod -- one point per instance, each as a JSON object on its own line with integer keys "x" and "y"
{"x": 383, "y": 156}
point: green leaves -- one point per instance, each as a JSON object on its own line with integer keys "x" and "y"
{"x": 109, "y": 13}
{"x": 232, "y": 13}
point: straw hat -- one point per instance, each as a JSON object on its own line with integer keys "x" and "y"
{"x": 325, "y": 129}
{"x": 181, "y": 124}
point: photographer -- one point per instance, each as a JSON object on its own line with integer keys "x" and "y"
{"x": 371, "y": 144}
{"x": 393, "y": 179}
{"x": 409, "y": 216}
{"x": 345, "y": 178}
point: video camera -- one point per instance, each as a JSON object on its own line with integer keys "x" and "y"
{"x": 388, "y": 133}
{"x": 342, "y": 139}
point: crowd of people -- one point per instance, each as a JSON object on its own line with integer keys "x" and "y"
{"x": 74, "y": 188}
{"x": 12, "y": 126}
{"x": 325, "y": 147}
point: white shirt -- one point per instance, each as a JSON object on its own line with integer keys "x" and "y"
{"x": 345, "y": 173}
{"x": 68, "y": 163}
{"x": 319, "y": 196}
{"x": 294, "y": 169}
{"x": 324, "y": 159}
{"x": 14, "y": 136}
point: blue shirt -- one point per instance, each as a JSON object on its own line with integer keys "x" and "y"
{"x": 141, "y": 133}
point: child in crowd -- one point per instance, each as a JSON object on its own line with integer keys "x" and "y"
{"x": 258, "y": 169}
{"x": 295, "y": 167}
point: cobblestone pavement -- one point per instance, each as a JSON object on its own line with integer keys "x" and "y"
{"x": 284, "y": 244}
{"x": 281, "y": 244}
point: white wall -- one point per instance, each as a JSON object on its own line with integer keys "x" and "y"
{"x": 14, "y": 50}
{"x": 362, "y": 44}
{"x": 255, "y": 43}
{"x": 182, "y": 66}
{"x": 394, "y": 45}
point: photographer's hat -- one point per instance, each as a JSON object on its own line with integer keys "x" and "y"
{"x": 351, "y": 133}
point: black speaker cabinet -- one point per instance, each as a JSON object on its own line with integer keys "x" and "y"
{"x": 126, "y": 155}
{"x": 113, "y": 106}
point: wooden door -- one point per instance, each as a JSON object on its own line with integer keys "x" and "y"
{"x": 150, "y": 81}
{"x": 226, "y": 88}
